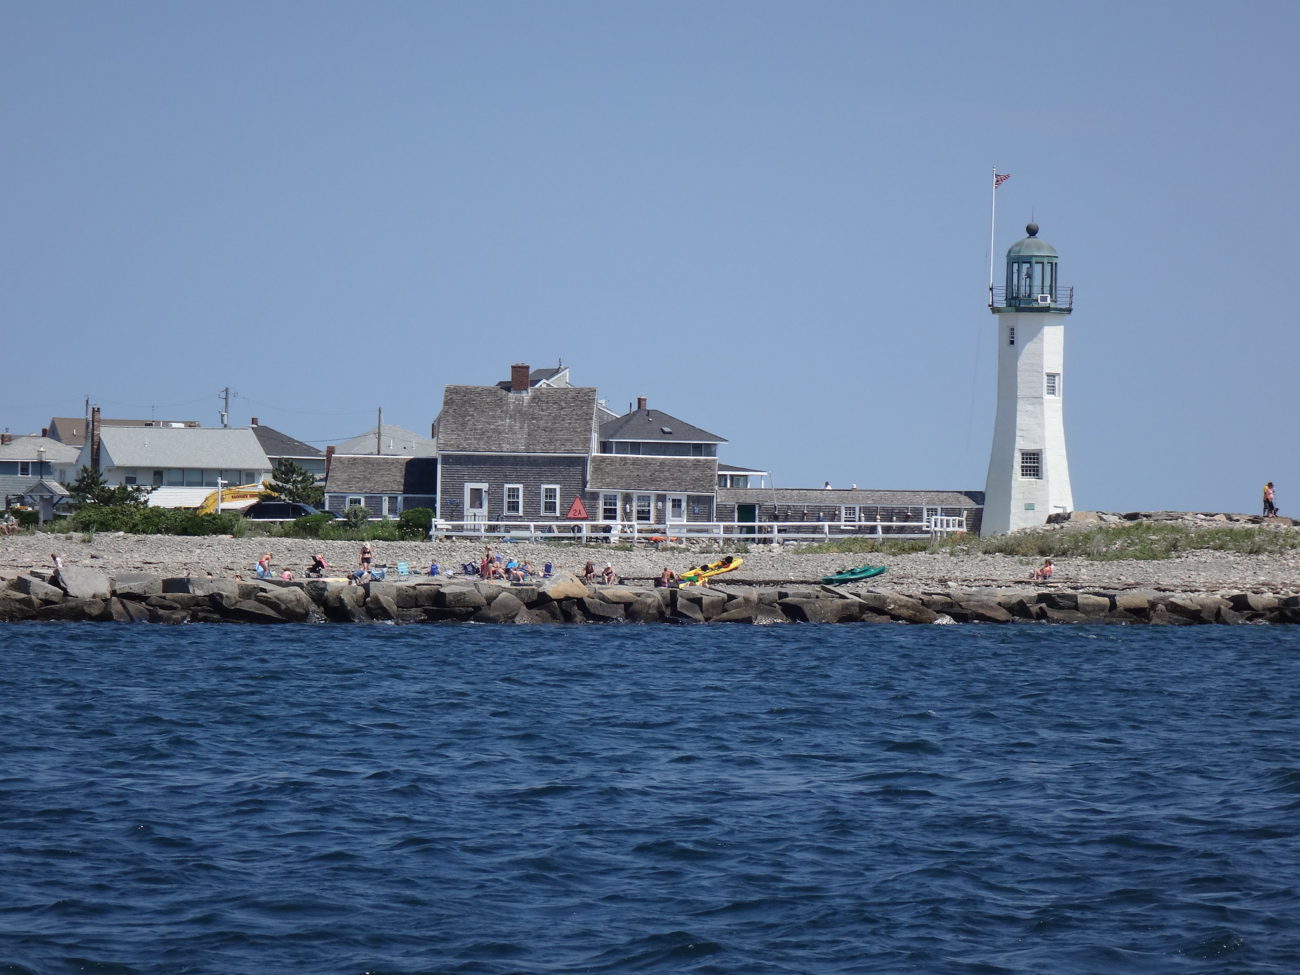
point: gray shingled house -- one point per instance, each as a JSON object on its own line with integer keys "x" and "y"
{"x": 386, "y": 485}
{"x": 514, "y": 454}
{"x": 653, "y": 468}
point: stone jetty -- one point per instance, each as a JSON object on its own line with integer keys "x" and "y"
{"x": 79, "y": 593}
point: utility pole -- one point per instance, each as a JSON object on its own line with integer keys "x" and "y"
{"x": 379, "y": 432}
{"x": 225, "y": 413}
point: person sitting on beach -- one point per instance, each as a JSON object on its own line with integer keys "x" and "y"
{"x": 318, "y": 566}
{"x": 608, "y": 576}
{"x": 527, "y": 570}
{"x": 360, "y": 577}
{"x": 667, "y": 579}
{"x": 1043, "y": 573}
{"x": 589, "y": 572}
{"x": 287, "y": 575}
{"x": 9, "y": 523}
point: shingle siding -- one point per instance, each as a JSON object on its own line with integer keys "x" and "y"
{"x": 498, "y": 470}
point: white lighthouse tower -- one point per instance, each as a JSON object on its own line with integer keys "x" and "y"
{"x": 1029, "y": 476}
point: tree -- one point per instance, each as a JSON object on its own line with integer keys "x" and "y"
{"x": 91, "y": 488}
{"x": 291, "y": 482}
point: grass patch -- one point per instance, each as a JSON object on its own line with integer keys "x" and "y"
{"x": 1144, "y": 541}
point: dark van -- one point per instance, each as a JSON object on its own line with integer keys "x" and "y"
{"x": 281, "y": 511}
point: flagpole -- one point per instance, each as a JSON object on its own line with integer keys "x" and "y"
{"x": 993, "y": 219}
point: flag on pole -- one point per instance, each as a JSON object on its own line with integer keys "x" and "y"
{"x": 1000, "y": 178}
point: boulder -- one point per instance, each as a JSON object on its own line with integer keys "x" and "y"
{"x": 76, "y": 610}
{"x": 250, "y": 611}
{"x": 899, "y": 607}
{"x": 978, "y": 610}
{"x": 37, "y": 589}
{"x": 814, "y": 609}
{"x": 597, "y": 610}
{"x": 710, "y": 601}
{"x": 564, "y": 585}
{"x": 136, "y": 584}
{"x": 381, "y": 605}
{"x": 16, "y": 606}
{"x": 290, "y": 602}
{"x": 343, "y": 604}
{"x": 128, "y": 611}
{"x": 205, "y": 586}
{"x": 1131, "y": 605}
{"x": 647, "y": 609}
{"x": 460, "y": 595}
{"x": 618, "y": 594}
{"x": 503, "y": 609}
{"x": 80, "y": 582}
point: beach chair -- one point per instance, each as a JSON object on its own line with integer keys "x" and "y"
{"x": 403, "y": 570}
{"x": 546, "y": 571}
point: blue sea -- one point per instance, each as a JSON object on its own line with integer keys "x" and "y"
{"x": 784, "y": 799}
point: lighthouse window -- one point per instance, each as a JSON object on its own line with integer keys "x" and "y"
{"x": 1011, "y": 335}
{"x": 1053, "y": 384}
{"x": 1031, "y": 463}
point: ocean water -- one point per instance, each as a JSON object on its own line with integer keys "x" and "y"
{"x": 793, "y": 799}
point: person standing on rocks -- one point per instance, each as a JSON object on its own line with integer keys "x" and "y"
{"x": 1270, "y": 501}
{"x": 367, "y": 556}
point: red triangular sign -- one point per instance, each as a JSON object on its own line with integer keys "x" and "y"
{"x": 577, "y": 510}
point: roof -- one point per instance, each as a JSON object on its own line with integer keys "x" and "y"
{"x": 655, "y": 426}
{"x": 29, "y": 448}
{"x": 733, "y": 469}
{"x": 394, "y": 441}
{"x": 218, "y": 448}
{"x": 71, "y": 430}
{"x": 823, "y": 497}
{"x": 540, "y": 420}
{"x": 559, "y": 376}
{"x": 11, "y": 485}
{"x": 630, "y": 472}
{"x": 277, "y": 444}
{"x": 179, "y": 497}
{"x": 1031, "y": 246}
{"x": 378, "y": 474}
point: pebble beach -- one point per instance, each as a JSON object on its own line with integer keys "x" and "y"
{"x": 224, "y": 556}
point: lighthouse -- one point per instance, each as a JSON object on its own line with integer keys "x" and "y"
{"x": 1029, "y": 476}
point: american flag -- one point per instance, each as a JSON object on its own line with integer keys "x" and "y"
{"x": 1000, "y": 178}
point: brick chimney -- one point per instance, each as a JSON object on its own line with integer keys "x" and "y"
{"x": 6, "y": 438}
{"x": 94, "y": 438}
{"x": 253, "y": 422}
{"x": 45, "y": 431}
{"x": 433, "y": 430}
{"x": 640, "y": 402}
{"x": 519, "y": 378}
{"x": 329, "y": 458}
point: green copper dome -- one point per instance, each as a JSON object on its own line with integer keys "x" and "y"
{"x": 1031, "y": 246}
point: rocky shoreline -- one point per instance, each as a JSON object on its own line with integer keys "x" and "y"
{"x": 140, "y": 577}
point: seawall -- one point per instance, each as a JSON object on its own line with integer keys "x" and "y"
{"x": 85, "y": 594}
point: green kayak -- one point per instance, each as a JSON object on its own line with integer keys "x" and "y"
{"x": 853, "y": 575}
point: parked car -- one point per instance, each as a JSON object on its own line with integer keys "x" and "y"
{"x": 282, "y": 511}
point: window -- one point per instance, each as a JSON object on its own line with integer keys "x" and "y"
{"x": 1011, "y": 335}
{"x": 514, "y": 499}
{"x": 643, "y": 507}
{"x": 129, "y": 479}
{"x": 1031, "y": 463}
{"x": 551, "y": 500}
{"x": 356, "y": 502}
{"x": 24, "y": 468}
{"x": 1053, "y": 384}
{"x": 849, "y": 512}
{"x": 609, "y": 507}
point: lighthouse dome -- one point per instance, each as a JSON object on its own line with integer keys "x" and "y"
{"x": 1031, "y": 246}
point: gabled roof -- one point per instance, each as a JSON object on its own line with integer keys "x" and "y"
{"x": 558, "y": 377}
{"x": 29, "y": 448}
{"x": 212, "y": 447}
{"x": 394, "y": 441}
{"x": 377, "y": 474}
{"x": 622, "y": 472}
{"x": 655, "y": 426}
{"x": 733, "y": 469}
{"x": 540, "y": 420}
{"x": 71, "y": 430}
{"x": 277, "y": 444}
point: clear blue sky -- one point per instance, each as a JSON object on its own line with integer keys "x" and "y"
{"x": 771, "y": 219}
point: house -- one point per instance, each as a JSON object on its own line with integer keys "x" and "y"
{"x": 73, "y": 430}
{"x": 653, "y": 468}
{"x": 390, "y": 440}
{"x": 181, "y": 464}
{"x": 31, "y": 469}
{"x": 844, "y": 509}
{"x": 385, "y": 485}
{"x": 516, "y": 454}
{"x": 280, "y": 446}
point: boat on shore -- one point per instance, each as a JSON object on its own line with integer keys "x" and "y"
{"x": 853, "y": 575}
{"x": 700, "y": 574}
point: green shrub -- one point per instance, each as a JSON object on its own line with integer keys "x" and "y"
{"x": 414, "y": 523}
{"x": 312, "y": 526}
{"x": 357, "y": 515}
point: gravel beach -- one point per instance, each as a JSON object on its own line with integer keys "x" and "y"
{"x": 222, "y": 556}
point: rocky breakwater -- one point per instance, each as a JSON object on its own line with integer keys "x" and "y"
{"x": 87, "y": 594}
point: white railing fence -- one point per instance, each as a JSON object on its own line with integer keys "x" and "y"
{"x": 763, "y": 532}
